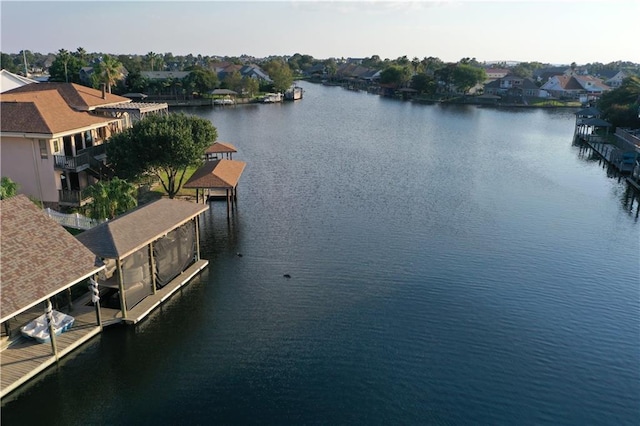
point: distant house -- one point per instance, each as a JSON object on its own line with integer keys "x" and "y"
{"x": 9, "y": 81}
{"x": 575, "y": 86}
{"x": 615, "y": 79}
{"x": 164, "y": 75}
{"x": 223, "y": 69}
{"x": 496, "y": 73}
{"x": 514, "y": 86}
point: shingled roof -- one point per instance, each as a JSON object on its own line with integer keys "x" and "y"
{"x": 122, "y": 236}
{"x": 217, "y": 174}
{"x": 42, "y": 112}
{"x": 39, "y": 257}
{"x": 78, "y": 97}
{"x": 221, "y": 148}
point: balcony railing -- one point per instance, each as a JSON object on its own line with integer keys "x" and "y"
{"x": 72, "y": 197}
{"x": 83, "y": 160}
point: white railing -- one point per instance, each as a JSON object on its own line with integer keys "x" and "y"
{"x": 73, "y": 220}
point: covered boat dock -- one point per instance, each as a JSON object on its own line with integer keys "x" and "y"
{"x": 149, "y": 253}
{"x": 218, "y": 175}
{"x": 42, "y": 264}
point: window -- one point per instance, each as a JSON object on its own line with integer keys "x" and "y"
{"x": 43, "y": 148}
{"x": 56, "y": 146}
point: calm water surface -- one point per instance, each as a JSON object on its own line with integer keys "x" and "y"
{"x": 449, "y": 265}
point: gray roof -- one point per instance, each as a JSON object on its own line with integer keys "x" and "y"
{"x": 223, "y": 92}
{"x": 589, "y": 112}
{"x": 163, "y": 75}
{"x": 39, "y": 257}
{"x": 122, "y": 236}
{"x": 597, "y": 122}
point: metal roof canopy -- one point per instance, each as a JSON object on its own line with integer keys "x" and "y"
{"x": 124, "y": 235}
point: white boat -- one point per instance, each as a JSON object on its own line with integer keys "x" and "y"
{"x": 38, "y": 329}
{"x": 272, "y": 98}
{"x": 223, "y": 101}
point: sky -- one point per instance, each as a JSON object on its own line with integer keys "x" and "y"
{"x": 557, "y": 32}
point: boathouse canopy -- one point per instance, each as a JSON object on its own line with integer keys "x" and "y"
{"x": 220, "y": 148}
{"x": 39, "y": 257}
{"x": 596, "y": 122}
{"x": 589, "y": 112}
{"x": 144, "y": 250}
{"x": 223, "y": 92}
{"x": 218, "y": 174}
{"x": 124, "y": 235}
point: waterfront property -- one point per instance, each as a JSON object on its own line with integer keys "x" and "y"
{"x": 53, "y": 138}
{"x": 41, "y": 263}
{"x": 621, "y": 150}
{"x": 148, "y": 253}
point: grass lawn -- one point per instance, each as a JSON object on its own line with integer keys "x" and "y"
{"x": 553, "y": 103}
{"x": 159, "y": 191}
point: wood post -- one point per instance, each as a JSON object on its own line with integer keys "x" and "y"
{"x": 197, "y": 223}
{"x": 228, "y": 204}
{"x": 123, "y": 304}
{"x": 152, "y": 267}
{"x": 52, "y": 335}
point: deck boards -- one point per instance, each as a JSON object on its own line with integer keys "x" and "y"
{"x": 25, "y": 358}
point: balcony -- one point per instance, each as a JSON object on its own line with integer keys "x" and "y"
{"x": 72, "y": 197}
{"x": 83, "y": 160}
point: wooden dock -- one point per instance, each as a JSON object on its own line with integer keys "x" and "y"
{"x": 24, "y": 358}
{"x": 608, "y": 152}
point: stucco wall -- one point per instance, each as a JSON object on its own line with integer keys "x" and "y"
{"x": 21, "y": 162}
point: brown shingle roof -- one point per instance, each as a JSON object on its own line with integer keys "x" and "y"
{"x": 217, "y": 174}
{"x": 43, "y": 111}
{"x": 38, "y": 257}
{"x": 78, "y": 97}
{"x": 120, "y": 237}
{"x": 220, "y": 148}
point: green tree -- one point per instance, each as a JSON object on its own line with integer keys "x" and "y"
{"x": 66, "y": 67}
{"x": 423, "y": 83}
{"x": 396, "y": 74}
{"x": 164, "y": 146}
{"x": 232, "y": 81}
{"x": 7, "y": 63}
{"x": 621, "y": 106}
{"x": 136, "y": 83}
{"x": 108, "y": 72}
{"x": 467, "y": 76}
{"x": 250, "y": 86}
{"x": 110, "y": 199}
{"x": 200, "y": 80}
{"x": 280, "y": 74}
{"x": 8, "y": 188}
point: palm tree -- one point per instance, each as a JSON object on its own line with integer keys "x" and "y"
{"x": 109, "y": 71}
{"x": 81, "y": 53}
{"x": 65, "y": 56}
{"x": 110, "y": 199}
{"x": 151, "y": 57}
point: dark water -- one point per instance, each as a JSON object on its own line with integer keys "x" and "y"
{"x": 449, "y": 265}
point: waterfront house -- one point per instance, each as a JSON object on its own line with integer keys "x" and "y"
{"x": 149, "y": 253}
{"x": 575, "y": 87}
{"x": 614, "y": 79}
{"x": 53, "y": 137}
{"x": 41, "y": 262}
{"x": 495, "y": 74}
{"x": 515, "y": 86}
